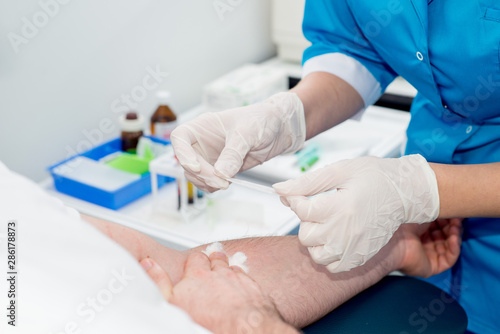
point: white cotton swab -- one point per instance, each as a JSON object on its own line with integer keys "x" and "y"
{"x": 254, "y": 186}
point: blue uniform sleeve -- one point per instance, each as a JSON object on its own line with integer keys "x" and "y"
{"x": 340, "y": 47}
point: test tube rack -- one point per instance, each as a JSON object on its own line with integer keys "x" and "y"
{"x": 189, "y": 207}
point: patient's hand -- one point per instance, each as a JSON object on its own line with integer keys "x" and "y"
{"x": 431, "y": 248}
{"x": 218, "y": 297}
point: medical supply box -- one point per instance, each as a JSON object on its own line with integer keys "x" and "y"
{"x": 119, "y": 194}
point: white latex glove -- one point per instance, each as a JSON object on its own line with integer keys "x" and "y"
{"x": 216, "y": 146}
{"x": 346, "y": 228}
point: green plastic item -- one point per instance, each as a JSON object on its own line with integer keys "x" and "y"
{"x": 132, "y": 163}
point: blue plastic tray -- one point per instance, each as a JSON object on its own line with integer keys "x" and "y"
{"x": 111, "y": 200}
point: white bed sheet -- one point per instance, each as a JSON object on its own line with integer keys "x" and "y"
{"x": 71, "y": 278}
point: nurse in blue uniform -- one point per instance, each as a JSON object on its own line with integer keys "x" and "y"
{"x": 450, "y": 52}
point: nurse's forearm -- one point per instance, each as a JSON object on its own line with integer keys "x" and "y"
{"x": 328, "y": 101}
{"x": 468, "y": 190}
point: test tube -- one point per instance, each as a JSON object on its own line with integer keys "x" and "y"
{"x": 308, "y": 156}
{"x": 190, "y": 188}
{"x": 308, "y": 163}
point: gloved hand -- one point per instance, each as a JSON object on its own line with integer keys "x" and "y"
{"x": 346, "y": 228}
{"x": 216, "y": 146}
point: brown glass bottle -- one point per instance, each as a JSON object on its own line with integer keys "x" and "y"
{"x": 164, "y": 120}
{"x": 131, "y": 126}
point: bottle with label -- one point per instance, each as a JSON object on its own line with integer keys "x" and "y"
{"x": 132, "y": 126}
{"x": 163, "y": 121}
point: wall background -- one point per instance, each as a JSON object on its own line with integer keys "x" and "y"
{"x": 64, "y": 83}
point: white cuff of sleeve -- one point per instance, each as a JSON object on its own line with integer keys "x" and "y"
{"x": 350, "y": 70}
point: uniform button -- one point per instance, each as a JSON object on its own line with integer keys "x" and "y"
{"x": 420, "y": 56}
{"x": 469, "y": 129}
{"x": 445, "y": 106}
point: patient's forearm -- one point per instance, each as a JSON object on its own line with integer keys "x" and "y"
{"x": 302, "y": 290}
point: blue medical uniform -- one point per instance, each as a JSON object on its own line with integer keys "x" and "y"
{"x": 449, "y": 50}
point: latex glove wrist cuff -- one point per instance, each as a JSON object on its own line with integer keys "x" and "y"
{"x": 291, "y": 111}
{"x": 420, "y": 196}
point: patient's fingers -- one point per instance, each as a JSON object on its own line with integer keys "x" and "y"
{"x": 195, "y": 263}
{"x": 454, "y": 232}
{"x": 237, "y": 269}
{"x": 218, "y": 260}
{"x": 159, "y": 276}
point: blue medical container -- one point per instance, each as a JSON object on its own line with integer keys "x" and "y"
{"x": 111, "y": 200}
